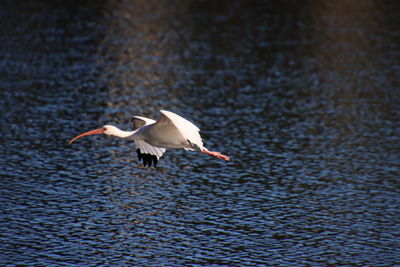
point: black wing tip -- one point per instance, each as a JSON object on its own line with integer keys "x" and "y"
{"x": 155, "y": 160}
{"x": 147, "y": 159}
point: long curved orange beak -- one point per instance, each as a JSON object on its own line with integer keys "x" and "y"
{"x": 97, "y": 131}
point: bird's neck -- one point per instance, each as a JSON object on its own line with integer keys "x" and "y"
{"x": 120, "y": 133}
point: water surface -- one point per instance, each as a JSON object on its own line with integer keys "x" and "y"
{"x": 304, "y": 97}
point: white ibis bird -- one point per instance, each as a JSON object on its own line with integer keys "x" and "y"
{"x": 153, "y": 137}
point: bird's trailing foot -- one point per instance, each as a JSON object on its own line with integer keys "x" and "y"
{"x": 216, "y": 154}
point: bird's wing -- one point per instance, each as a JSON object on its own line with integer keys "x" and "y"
{"x": 138, "y": 122}
{"x": 148, "y": 153}
{"x": 171, "y": 122}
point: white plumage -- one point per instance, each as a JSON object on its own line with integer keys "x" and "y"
{"x": 153, "y": 137}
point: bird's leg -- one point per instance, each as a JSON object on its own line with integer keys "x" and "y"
{"x": 215, "y": 154}
{"x": 208, "y": 152}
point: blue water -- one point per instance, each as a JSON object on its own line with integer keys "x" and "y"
{"x": 304, "y": 97}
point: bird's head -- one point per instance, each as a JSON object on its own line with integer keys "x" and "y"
{"x": 106, "y": 129}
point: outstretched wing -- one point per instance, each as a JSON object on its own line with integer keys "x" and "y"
{"x": 189, "y": 132}
{"x": 147, "y": 153}
{"x": 138, "y": 122}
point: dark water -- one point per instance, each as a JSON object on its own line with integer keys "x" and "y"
{"x": 304, "y": 96}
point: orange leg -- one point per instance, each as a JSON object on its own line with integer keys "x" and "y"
{"x": 216, "y": 154}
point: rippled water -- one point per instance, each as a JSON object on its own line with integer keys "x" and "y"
{"x": 304, "y": 97}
